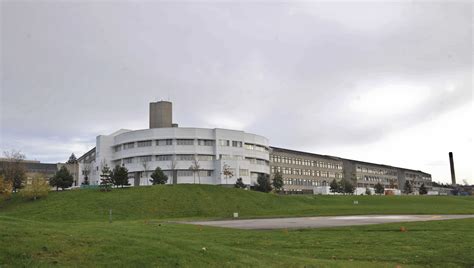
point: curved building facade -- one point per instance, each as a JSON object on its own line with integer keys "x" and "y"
{"x": 186, "y": 155}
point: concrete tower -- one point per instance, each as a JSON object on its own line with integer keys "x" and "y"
{"x": 161, "y": 114}
{"x": 451, "y": 163}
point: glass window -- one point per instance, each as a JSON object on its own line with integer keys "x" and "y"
{"x": 143, "y": 143}
{"x": 224, "y": 142}
{"x": 206, "y": 142}
{"x": 164, "y": 157}
{"x": 236, "y": 144}
{"x": 146, "y": 158}
{"x": 185, "y": 157}
{"x": 129, "y": 145}
{"x": 164, "y": 142}
{"x": 184, "y": 142}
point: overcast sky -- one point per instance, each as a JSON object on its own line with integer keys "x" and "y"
{"x": 387, "y": 83}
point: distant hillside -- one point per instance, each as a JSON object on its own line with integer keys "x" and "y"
{"x": 206, "y": 201}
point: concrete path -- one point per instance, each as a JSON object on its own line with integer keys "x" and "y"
{"x": 320, "y": 222}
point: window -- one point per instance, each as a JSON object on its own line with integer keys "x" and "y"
{"x": 143, "y": 143}
{"x": 185, "y": 142}
{"x": 146, "y": 158}
{"x": 185, "y": 157}
{"x": 129, "y": 145}
{"x": 164, "y": 157}
{"x": 164, "y": 142}
{"x": 185, "y": 173}
{"x": 236, "y": 144}
{"x": 224, "y": 142}
{"x": 243, "y": 172}
{"x": 205, "y": 173}
{"x": 202, "y": 157}
{"x": 206, "y": 142}
{"x": 128, "y": 160}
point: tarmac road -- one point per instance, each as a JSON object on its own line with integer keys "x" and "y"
{"x": 327, "y": 221}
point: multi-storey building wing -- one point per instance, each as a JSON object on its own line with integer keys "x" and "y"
{"x": 189, "y": 155}
{"x": 302, "y": 171}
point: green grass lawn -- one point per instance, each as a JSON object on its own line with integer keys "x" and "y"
{"x": 206, "y": 201}
{"x": 72, "y": 229}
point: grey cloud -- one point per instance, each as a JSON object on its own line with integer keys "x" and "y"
{"x": 287, "y": 71}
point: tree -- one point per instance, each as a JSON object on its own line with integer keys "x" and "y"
{"x": 105, "y": 178}
{"x": 119, "y": 176}
{"x": 263, "y": 183}
{"x": 368, "y": 191}
{"x": 334, "y": 187}
{"x": 62, "y": 179}
{"x": 14, "y": 168}
{"x": 145, "y": 169}
{"x": 72, "y": 159}
{"x": 86, "y": 170}
{"x": 393, "y": 185}
{"x": 227, "y": 172}
{"x": 37, "y": 188}
{"x": 195, "y": 169}
{"x": 423, "y": 189}
{"x": 346, "y": 187}
{"x": 277, "y": 182}
{"x": 379, "y": 189}
{"x": 239, "y": 183}
{"x": 6, "y": 188}
{"x": 158, "y": 177}
{"x": 408, "y": 188}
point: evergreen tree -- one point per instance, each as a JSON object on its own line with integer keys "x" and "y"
{"x": 379, "y": 189}
{"x": 62, "y": 179}
{"x": 158, "y": 176}
{"x": 346, "y": 187}
{"x": 263, "y": 183}
{"x": 119, "y": 176}
{"x": 277, "y": 182}
{"x": 408, "y": 188}
{"x": 367, "y": 191}
{"x": 72, "y": 159}
{"x": 334, "y": 187}
{"x": 239, "y": 183}
{"x": 423, "y": 189}
{"x": 105, "y": 178}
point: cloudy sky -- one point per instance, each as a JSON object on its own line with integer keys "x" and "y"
{"x": 382, "y": 82}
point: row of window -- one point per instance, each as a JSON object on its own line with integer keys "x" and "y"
{"x": 164, "y": 142}
{"x": 190, "y": 157}
{"x": 376, "y": 179}
{"x": 306, "y": 172}
{"x": 304, "y": 162}
{"x": 304, "y": 182}
{"x": 377, "y": 171}
{"x": 179, "y": 157}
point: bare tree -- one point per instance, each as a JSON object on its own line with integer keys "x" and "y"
{"x": 227, "y": 172}
{"x": 86, "y": 170}
{"x": 195, "y": 167}
{"x": 173, "y": 165}
{"x": 14, "y": 168}
{"x": 145, "y": 170}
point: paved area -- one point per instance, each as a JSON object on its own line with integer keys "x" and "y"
{"x": 320, "y": 222}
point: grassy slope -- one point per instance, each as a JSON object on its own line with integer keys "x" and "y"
{"x": 204, "y": 201}
{"x": 72, "y": 229}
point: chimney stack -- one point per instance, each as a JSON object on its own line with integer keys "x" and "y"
{"x": 161, "y": 114}
{"x": 451, "y": 163}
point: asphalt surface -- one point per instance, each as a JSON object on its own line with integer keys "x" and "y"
{"x": 320, "y": 222}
